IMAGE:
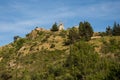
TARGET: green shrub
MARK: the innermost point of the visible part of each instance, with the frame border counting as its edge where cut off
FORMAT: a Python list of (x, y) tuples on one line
[(114, 72), (16, 38), (5, 76), (112, 46), (73, 35), (44, 40), (63, 33), (19, 43), (85, 64), (67, 42), (40, 33)]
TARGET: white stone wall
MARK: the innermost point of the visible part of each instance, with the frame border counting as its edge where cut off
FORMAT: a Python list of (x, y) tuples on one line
[(61, 27)]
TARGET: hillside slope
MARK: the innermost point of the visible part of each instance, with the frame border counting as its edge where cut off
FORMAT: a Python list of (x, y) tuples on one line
[(43, 55)]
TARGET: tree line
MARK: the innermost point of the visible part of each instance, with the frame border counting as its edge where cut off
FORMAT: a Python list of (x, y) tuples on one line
[(83, 32), (113, 31)]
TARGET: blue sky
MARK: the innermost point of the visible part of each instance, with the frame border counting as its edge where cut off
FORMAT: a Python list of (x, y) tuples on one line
[(19, 17)]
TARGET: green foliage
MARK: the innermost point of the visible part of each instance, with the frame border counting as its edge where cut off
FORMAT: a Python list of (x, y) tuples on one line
[(116, 29), (114, 73), (67, 42), (45, 38), (19, 43), (63, 33), (73, 35), (16, 38), (78, 61), (81, 61), (85, 64), (5, 76), (54, 27), (112, 46), (40, 33), (102, 34), (109, 31), (56, 71), (85, 31)]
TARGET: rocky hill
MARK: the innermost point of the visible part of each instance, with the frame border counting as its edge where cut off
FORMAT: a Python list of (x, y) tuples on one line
[(43, 55)]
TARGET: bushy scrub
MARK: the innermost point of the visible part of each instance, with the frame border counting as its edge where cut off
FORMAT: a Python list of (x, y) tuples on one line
[(112, 46), (19, 43)]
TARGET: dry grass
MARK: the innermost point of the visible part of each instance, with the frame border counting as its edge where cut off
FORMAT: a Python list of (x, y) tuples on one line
[(99, 41)]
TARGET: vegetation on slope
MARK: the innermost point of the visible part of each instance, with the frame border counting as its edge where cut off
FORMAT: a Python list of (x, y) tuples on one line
[(61, 55)]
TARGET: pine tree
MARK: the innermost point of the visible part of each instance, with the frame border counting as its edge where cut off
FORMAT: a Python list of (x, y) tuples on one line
[(16, 38), (109, 31), (81, 29), (85, 31), (73, 35), (116, 29), (54, 27)]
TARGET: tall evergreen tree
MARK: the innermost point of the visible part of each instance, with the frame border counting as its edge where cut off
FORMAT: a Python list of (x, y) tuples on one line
[(16, 37), (54, 27), (73, 35), (108, 31), (116, 29), (81, 29), (85, 31)]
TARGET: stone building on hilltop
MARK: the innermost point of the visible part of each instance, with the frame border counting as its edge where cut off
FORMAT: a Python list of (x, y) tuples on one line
[(61, 26)]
